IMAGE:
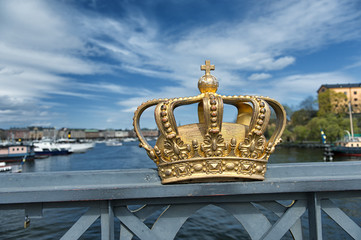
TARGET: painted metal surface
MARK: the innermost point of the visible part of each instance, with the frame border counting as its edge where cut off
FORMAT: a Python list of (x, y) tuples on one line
[(311, 186)]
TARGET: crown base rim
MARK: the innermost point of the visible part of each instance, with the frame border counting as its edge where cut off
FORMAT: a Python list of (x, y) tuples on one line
[(214, 169), (213, 178)]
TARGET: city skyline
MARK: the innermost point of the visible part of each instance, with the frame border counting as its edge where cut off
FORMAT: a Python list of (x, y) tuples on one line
[(89, 64)]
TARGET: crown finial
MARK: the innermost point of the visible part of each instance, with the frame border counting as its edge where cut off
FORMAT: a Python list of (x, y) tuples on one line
[(208, 82), (208, 67)]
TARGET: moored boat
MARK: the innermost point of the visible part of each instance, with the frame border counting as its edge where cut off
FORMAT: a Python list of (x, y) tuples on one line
[(129, 139), (113, 143), (46, 148), (16, 153), (75, 147), (4, 167), (350, 145)]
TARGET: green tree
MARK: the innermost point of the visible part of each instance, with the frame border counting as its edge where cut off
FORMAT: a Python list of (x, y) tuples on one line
[(315, 125), (302, 117), (333, 125), (309, 103), (289, 111), (270, 130), (301, 132), (288, 136), (332, 118), (331, 102)]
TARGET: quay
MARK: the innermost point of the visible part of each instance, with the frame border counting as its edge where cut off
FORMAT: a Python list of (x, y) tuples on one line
[(311, 187)]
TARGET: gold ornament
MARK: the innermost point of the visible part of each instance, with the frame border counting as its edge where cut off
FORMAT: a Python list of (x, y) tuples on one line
[(212, 150)]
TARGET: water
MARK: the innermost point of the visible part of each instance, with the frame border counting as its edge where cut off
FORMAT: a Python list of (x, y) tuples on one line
[(210, 223)]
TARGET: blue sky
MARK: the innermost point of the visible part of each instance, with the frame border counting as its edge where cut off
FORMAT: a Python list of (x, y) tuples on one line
[(89, 64)]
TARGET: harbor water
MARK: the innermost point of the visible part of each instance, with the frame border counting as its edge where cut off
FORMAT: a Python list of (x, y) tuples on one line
[(209, 223)]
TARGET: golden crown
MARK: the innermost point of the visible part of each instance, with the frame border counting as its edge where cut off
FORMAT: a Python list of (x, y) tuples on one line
[(212, 150)]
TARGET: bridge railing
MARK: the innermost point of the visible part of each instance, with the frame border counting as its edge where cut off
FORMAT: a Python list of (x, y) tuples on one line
[(109, 195)]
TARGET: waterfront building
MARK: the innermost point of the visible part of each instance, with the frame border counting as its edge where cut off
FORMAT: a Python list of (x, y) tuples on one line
[(109, 133), (93, 134), (49, 132), (71, 133), (77, 133), (35, 133), (63, 133), (150, 132), (121, 134), (17, 133), (352, 92), (2, 134)]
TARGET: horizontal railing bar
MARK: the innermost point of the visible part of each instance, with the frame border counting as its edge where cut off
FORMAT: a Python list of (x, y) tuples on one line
[(188, 200), (190, 190), (144, 184), (131, 177)]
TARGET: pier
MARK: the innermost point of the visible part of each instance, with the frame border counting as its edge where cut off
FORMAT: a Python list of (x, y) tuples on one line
[(308, 189)]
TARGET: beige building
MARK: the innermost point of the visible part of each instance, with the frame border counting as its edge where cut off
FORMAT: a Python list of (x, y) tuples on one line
[(121, 134), (352, 91), (93, 134)]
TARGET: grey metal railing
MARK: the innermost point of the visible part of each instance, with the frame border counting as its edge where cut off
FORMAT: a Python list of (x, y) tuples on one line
[(107, 195)]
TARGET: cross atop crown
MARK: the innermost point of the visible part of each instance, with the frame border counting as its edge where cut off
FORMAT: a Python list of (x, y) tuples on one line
[(208, 67)]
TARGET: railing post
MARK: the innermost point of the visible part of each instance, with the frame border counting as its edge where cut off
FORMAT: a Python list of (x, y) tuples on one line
[(107, 220), (314, 217)]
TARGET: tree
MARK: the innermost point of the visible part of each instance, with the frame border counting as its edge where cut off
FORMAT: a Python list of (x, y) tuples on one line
[(288, 136), (309, 103), (289, 110), (302, 117), (332, 118), (331, 102), (333, 125), (301, 132)]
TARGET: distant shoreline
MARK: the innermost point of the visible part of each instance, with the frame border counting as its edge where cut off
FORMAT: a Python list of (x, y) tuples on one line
[(301, 145)]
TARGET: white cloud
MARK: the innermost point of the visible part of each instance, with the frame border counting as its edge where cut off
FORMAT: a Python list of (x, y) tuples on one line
[(28, 83), (262, 41), (259, 76), (295, 88), (44, 61), (42, 42), (37, 25), (16, 111), (111, 88)]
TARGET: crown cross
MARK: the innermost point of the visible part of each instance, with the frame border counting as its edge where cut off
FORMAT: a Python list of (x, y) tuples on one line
[(208, 67)]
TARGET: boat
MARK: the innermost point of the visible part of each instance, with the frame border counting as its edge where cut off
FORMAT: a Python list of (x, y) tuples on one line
[(46, 148), (129, 139), (16, 153), (350, 145), (4, 167), (75, 147), (113, 143)]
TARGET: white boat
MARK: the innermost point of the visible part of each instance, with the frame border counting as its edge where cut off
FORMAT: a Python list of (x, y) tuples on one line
[(113, 143), (75, 147), (4, 168), (129, 139), (61, 147), (46, 148)]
